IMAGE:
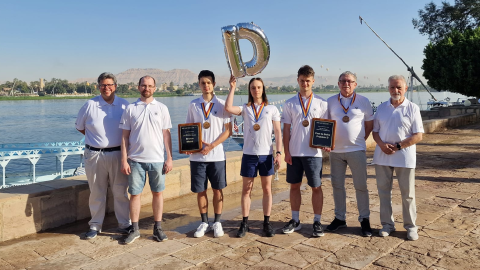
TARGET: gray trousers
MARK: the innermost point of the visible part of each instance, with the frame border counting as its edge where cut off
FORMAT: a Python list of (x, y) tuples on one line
[(357, 161), (406, 182), (102, 169)]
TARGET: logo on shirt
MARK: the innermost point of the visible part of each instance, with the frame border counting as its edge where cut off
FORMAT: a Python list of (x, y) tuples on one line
[(314, 109), (356, 107), (156, 113), (215, 112)]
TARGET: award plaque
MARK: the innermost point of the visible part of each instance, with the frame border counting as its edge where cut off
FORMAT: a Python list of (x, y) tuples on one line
[(190, 137), (322, 133)]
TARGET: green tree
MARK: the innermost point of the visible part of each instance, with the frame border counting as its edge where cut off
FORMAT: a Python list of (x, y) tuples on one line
[(436, 22), (179, 92), (453, 63)]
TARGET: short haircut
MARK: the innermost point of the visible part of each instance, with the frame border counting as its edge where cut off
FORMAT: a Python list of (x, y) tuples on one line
[(397, 77), (206, 73), (106, 75), (306, 71), (264, 94), (347, 73), (147, 76)]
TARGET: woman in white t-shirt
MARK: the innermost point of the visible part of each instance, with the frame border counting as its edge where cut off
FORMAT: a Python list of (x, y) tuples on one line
[(259, 119)]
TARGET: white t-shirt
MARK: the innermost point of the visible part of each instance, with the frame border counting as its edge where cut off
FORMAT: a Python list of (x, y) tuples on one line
[(100, 121), (258, 142), (146, 123), (394, 125), (350, 136), (217, 119), (299, 135)]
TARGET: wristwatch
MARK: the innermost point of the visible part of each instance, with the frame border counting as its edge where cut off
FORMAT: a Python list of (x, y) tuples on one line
[(279, 153), (399, 147)]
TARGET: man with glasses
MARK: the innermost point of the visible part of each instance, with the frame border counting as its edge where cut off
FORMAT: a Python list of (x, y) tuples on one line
[(146, 136), (98, 120), (354, 116)]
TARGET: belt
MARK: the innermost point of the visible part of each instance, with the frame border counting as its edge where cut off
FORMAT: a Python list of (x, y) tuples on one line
[(109, 149)]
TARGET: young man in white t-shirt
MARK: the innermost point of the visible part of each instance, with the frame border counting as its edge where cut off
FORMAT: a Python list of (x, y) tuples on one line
[(209, 164), (297, 114), (146, 136)]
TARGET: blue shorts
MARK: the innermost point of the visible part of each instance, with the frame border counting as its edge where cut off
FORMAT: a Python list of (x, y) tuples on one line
[(253, 163), (312, 166), (201, 172), (136, 179)]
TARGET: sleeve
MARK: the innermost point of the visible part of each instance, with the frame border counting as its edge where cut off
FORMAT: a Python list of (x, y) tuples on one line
[(227, 117), (286, 115), (276, 114), (167, 122), (81, 117), (190, 118), (417, 125), (368, 111), (125, 120)]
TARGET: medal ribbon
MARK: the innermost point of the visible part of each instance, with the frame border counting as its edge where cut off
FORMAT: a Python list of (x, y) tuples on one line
[(309, 102), (259, 113), (345, 110), (206, 114)]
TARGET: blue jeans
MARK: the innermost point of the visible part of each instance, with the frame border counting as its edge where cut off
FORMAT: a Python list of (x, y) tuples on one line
[(136, 179)]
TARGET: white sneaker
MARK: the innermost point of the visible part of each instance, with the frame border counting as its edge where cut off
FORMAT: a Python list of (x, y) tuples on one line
[(217, 229), (386, 231), (202, 229), (412, 234)]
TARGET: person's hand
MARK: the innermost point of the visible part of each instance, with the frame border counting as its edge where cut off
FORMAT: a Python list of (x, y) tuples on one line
[(168, 165), (125, 168), (235, 128), (288, 158), (207, 147), (276, 161), (387, 148), (326, 149), (233, 82)]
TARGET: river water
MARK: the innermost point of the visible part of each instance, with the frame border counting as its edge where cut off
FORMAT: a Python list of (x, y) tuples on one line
[(54, 121)]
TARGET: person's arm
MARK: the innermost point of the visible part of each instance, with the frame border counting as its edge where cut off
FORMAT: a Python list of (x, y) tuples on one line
[(167, 138), (125, 167), (387, 148), (277, 130), (286, 143), (236, 110), (225, 134), (368, 128), (414, 139)]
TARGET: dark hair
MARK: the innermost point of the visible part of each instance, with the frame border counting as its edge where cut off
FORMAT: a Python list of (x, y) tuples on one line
[(306, 71), (206, 73), (106, 75), (147, 76), (250, 97)]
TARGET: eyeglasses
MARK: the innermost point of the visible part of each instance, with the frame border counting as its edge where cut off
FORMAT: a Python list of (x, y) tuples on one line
[(105, 85), (148, 86), (346, 81)]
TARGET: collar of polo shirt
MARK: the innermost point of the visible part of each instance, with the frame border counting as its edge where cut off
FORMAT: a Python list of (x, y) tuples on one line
[(140, 102), (102, 101)]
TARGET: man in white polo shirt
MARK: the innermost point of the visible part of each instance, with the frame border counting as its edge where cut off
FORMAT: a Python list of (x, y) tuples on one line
[(146, 136), (354, 116), (397, 129), (98, 120), (299, 156), (209, 164)]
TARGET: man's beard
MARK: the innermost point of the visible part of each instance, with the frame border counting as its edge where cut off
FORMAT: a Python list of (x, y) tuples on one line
[(146, 94), (396, 97)]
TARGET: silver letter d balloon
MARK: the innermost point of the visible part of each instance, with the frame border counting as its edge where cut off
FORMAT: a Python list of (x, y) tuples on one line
[(261, 49)]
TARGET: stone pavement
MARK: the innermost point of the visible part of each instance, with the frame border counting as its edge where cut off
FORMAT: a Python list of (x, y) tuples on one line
[(448, 203)]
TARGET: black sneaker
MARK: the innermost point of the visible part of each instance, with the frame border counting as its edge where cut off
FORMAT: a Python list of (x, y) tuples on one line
[(159, 234), (336, 224), (268, 230), (317, 229), (91, 234), (366, 229), (243, 229), (131, 237), (126, 230), (292, 226)]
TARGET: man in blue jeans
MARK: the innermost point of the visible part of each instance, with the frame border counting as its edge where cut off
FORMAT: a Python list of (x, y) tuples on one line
[(146, 136)]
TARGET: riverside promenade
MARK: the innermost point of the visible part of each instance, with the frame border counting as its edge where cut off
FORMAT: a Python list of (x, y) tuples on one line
[(448, 204)]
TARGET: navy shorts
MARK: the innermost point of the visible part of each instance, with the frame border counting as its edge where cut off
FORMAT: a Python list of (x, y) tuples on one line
[(253, 163), (202, 172), (312, 166)]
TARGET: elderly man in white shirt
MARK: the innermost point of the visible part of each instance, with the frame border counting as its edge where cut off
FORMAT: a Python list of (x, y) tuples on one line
[(397, 129), (98, 120)]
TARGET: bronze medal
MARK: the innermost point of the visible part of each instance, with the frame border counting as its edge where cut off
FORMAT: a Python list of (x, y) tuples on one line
[(346, 119), (305, 123), (206, 125), (256, 127)]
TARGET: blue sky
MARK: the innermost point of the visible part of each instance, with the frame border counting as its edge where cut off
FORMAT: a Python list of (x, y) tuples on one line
[(81, 39)]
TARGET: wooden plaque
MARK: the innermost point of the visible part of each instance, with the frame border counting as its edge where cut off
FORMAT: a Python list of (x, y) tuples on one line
[(322, 133), (189, 138)]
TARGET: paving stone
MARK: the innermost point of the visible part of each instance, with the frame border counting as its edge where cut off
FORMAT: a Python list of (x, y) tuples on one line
[(252, 253), (231, 240), (58, 246), (272, 264), (449, 236), (292, 257), (159, 249), (104, 246), (405, 260), (165, 263), (467, 187), (468, 247), (5, 265), (354, 256), (458, 219), (20, 255), (455, 195), (310, 254), (472, 203), (427, 213), (70, 261), (284, 240), (201, 252), (381, 244), (219, 263), (121, 261), (190, 240), (329, 242), (428, 246), (323, 265), (439, 201), (450, 263)]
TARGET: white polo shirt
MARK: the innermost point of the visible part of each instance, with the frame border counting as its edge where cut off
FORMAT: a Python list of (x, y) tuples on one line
[(394, 125), (258, 142), (146, 123), (217, 119), (100, 121), (350, 136), (300, 135)]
